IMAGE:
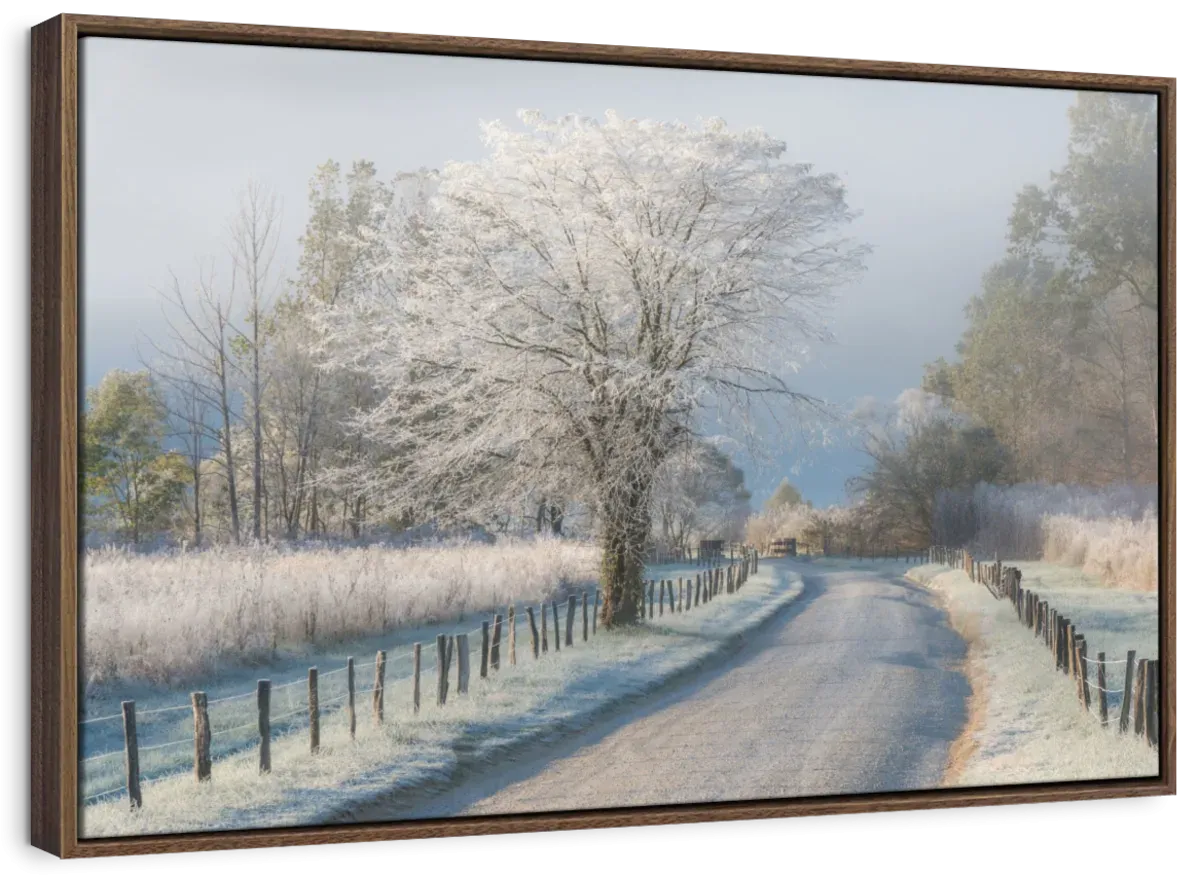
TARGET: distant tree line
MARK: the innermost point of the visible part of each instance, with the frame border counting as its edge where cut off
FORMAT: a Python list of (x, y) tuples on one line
[(1056, 378)]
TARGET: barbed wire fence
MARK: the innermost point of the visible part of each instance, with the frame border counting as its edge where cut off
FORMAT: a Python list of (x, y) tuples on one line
[(461, 649), (1131, 706)]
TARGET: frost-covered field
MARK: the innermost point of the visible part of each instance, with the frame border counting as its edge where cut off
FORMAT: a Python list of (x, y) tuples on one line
[(1030, 725), (533, 701), (177, 616), (1109, 532)]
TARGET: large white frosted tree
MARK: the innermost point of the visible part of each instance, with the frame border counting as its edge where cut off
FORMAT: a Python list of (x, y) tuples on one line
[(563, 316)]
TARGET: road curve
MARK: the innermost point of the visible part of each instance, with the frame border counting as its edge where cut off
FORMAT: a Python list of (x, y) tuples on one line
[(853, 688)]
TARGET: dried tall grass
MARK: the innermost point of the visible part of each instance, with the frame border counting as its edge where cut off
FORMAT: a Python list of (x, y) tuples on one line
[(167, 617), (1111, 532)]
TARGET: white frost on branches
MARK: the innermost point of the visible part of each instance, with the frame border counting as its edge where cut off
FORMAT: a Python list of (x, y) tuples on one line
[(560, 316)]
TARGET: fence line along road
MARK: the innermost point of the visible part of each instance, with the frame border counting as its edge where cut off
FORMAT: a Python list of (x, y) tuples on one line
[(1068, 648), (449, 649)]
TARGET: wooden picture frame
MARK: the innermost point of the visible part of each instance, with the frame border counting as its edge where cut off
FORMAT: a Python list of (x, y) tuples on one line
[(55, 436)]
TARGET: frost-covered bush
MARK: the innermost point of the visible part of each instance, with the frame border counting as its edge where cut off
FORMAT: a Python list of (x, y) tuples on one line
[(1110, 531)]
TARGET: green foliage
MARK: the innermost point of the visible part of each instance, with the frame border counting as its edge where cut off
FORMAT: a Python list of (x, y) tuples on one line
[(784, 497), (1059, 358), (130, 483), (1101, 208)]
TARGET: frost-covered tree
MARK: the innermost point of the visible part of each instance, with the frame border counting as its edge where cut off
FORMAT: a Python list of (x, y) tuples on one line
[(566, 312), (918, 449), (1060, 355), (700, 494), (307, 406)]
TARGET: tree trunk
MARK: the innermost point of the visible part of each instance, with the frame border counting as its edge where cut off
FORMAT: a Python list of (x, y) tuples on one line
[(621, 570), (235, 526), (196, 522), (258, 443)]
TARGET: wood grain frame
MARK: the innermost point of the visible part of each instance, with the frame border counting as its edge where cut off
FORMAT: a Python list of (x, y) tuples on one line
[(55, 394)]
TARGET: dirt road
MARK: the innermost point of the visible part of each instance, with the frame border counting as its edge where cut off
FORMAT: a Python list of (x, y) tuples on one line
[(854, 688)]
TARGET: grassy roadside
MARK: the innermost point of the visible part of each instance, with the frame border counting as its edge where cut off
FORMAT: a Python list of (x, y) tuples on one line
[(533, 701), (1025, 723)]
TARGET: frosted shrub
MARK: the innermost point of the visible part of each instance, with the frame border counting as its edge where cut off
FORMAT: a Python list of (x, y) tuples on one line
[(1109, 531), (166, 617), (1120, 551)]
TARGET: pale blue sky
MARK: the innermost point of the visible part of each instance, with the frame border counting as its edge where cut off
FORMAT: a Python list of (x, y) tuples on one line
[(171, 131)]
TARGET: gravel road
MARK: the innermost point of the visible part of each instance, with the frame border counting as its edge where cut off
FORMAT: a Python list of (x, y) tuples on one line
[(853, 688)]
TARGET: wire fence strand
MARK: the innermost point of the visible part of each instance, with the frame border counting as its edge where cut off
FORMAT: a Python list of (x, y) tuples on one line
[(515, 627)]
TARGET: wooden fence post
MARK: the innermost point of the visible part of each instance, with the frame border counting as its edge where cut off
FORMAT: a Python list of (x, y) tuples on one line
[(1139, 700), (377, 689), (650, 601), (1075, 664), (1101, 684), (688, 605), (545, 638), (1060, 654), (533, 633), (585, 615), (671, 593), (417, 677), (496, 624), (203, 736), (1068, 646), (351, 718), (133, 773), (570, 621), (1085, 690), (645, 600), (443, 669), (1127, 694), (512, 636), (595, 611), (464, 662), (662, 597), (1152, 702), (484, 651), (264, 725), (554, 612), (314, 713), (1073, 645)]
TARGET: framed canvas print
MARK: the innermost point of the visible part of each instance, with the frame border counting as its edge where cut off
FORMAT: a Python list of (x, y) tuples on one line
[(440, 436)]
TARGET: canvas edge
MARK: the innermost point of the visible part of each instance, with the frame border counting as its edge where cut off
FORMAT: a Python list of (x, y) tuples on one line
[(1167, 444), (168, 29), (54, 385), (53, 375), (619, 818)]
